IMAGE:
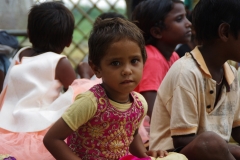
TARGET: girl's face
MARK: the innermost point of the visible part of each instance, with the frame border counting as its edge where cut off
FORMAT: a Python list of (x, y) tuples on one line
[(121, 69), (177, 26)]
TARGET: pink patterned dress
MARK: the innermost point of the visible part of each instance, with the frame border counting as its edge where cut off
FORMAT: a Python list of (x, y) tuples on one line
[(110, 132)]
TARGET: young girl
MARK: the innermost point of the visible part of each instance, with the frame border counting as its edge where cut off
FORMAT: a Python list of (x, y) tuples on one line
[(31, 101), (103, 122), (164, 25)]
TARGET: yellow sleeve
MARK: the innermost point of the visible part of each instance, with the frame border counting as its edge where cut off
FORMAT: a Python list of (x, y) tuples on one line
[(81, 111), (144, 102), (145, 106)]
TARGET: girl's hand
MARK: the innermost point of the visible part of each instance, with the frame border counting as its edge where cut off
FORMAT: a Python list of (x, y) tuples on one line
[(158, 153)]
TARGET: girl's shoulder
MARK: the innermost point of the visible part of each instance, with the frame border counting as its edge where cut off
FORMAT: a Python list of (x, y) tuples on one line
[(150, 49), (28, 52), (18, 55), (87, 95), (141, 99)]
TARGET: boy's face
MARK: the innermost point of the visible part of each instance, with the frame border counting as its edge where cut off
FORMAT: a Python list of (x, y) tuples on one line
[(177, 26), (121, 68)]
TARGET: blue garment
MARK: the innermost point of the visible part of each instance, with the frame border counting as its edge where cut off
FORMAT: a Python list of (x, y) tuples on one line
[(8, 40), (4, 63)]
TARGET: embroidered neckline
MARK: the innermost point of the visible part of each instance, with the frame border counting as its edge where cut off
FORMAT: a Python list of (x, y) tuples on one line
[(113, 99), (108, 100)]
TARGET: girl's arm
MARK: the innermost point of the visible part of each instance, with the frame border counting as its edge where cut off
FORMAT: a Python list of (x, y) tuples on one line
[(137, 148), (65, 73), (54, 141), (84, 70)]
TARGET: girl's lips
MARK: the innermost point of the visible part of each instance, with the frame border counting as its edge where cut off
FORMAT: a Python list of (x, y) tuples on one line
[(189, 33), (126, 81)]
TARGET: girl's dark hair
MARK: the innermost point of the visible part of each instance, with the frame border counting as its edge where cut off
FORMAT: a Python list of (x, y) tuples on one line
[(150, 13), (209, 14), (110, 30), (50, 26)]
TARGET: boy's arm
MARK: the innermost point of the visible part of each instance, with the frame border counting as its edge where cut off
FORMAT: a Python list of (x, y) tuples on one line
[(150, 97), (54, 141), (181, 141), (236, 134)]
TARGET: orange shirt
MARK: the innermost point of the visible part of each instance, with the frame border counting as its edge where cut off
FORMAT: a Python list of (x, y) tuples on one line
[(155, 69)]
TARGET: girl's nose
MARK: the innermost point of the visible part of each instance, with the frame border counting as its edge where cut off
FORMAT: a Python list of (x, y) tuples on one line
[(126, 71), (188, 23)]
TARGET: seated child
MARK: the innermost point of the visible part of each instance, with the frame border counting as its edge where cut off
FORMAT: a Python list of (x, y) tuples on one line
[(32, 100), (198, 100), (103, 122)]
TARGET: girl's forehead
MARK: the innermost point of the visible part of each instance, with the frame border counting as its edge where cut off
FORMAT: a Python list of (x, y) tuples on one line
[(177, 7), (122, 47), (121, 42)]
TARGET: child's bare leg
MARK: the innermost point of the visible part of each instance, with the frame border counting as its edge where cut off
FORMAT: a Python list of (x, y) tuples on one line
[(234, 150), (207, 146)]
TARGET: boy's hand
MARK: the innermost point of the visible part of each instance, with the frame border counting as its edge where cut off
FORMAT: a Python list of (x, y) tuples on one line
[(155, 154)]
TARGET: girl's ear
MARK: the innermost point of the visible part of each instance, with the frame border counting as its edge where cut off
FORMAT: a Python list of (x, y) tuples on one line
[(95, 69), (156, 32), (223, 31)]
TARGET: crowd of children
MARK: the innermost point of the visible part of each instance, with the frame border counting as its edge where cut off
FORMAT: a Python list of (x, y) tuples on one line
[(193, 102)]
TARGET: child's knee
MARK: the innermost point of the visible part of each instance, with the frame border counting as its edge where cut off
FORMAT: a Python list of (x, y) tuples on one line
[(210, 142)]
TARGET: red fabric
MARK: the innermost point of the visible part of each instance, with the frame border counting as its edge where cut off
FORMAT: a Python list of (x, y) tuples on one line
[(155, 69), (131, 157)]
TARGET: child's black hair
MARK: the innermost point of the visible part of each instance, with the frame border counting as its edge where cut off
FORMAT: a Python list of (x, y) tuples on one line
[(50, 26), (209, 14), (110, 30), (150, 13), (110, 15)]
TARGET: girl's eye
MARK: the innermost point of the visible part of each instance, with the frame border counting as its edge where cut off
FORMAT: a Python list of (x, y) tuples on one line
[(179, 18), (135, 61), (115, 63)]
